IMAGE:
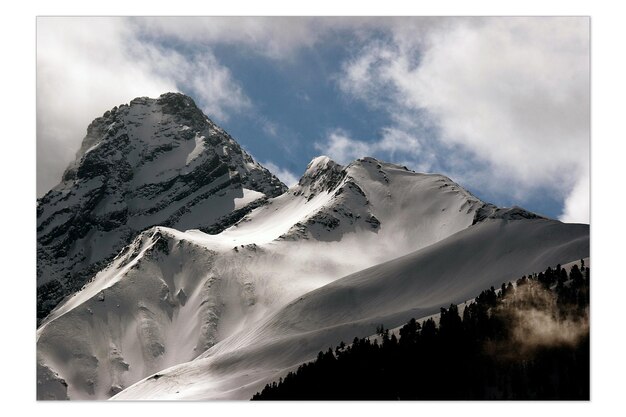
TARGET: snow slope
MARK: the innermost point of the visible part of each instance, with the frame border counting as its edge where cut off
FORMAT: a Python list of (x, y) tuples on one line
[(416, 285), (171, 295)]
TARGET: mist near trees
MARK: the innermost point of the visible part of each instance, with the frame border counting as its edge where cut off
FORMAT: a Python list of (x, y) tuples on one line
[(528, 341)]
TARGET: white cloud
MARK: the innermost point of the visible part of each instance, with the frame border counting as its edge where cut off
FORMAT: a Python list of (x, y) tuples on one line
[(269, 127), (86, 66), (394, 145), (286, 176), (212, 85), (281, 37), (396, 141), (274, 37), (514, 92), (343, 149), (576, 208)]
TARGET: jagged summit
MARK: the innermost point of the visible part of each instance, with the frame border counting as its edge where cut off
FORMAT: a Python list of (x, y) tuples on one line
[(369, 194), (153, 127), (175, 104), (150, 162), (322, 174), (320, 163)]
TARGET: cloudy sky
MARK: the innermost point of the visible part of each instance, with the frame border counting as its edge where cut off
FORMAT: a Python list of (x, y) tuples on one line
[(501, 105)]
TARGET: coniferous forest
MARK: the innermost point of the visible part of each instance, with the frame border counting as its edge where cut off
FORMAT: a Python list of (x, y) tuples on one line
[(528, 341)]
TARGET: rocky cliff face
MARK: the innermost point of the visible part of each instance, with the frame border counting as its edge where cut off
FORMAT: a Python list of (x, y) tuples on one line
[(151, 162)]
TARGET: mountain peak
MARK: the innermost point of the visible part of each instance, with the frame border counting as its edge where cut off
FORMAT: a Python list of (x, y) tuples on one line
[(150, 162), (322, 174), (319, 164), (175, 99)]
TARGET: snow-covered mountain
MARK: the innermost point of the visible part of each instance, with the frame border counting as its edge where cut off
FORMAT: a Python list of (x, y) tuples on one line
[(181, 313), (151, 162), (389, 294)]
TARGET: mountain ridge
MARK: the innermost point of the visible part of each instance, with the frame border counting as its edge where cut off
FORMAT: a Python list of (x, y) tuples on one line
[(279, 250)]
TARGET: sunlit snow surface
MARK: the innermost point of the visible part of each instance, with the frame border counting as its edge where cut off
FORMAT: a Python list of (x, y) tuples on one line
[(197, 150), (227, 313)]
